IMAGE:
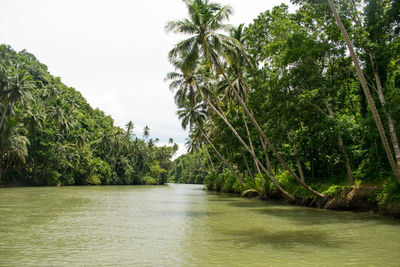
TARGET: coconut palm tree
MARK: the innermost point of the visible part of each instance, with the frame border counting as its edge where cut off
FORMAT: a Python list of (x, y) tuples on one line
[(129, 128), (146, 133), (195, 116), (204, 24), (34, 117), (13, 146), (58, 112), (16, 86)]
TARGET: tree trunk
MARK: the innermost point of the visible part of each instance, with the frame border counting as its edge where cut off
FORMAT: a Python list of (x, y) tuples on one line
[(209, 157), (392, 128), (300, 169), (367, 93), (274, 181), (247, 165), (221, 157), (250, 142), (267, 160), (3, 117), (342, 149), (261, 132)]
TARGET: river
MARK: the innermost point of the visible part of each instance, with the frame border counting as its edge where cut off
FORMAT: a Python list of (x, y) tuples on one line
[(182, 225)]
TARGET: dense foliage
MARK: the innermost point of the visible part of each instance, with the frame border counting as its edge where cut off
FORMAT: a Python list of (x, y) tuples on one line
[(282, 106), (50, 135)]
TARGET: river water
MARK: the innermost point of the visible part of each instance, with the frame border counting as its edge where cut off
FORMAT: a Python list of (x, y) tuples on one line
[(183, 225)]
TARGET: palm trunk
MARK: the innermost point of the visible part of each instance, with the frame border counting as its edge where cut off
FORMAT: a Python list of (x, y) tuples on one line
[(261, 132), (367, 93), (392, 128), (221, 157), (247, 165), (3, 116), (267, 160), (250, 142), (298, 162), (274, 181), (209, 157)]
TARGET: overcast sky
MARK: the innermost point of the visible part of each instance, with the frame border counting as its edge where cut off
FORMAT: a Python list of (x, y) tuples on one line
[(113, 52)]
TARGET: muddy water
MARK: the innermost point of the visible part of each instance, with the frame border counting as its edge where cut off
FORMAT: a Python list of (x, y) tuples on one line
[(182, 225)]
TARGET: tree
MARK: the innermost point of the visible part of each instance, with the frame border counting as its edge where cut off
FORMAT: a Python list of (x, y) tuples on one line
[(146, 133), (205, 21), (13, 146), (16, 85), (364, 85)]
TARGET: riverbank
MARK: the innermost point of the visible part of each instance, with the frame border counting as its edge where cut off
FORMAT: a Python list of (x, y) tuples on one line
[(358, 198)]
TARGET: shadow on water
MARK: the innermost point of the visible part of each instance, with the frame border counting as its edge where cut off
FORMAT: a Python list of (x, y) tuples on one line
[(248, 203), (311, 216), (285, 239), (167, 213)]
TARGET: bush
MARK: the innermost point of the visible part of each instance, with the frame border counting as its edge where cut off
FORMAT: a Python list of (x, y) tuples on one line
[(390, 193)]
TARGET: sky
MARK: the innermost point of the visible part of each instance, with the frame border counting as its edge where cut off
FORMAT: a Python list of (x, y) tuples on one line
[(113, 52)]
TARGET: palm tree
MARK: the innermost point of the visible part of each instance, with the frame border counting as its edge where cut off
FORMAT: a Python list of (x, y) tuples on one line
[(58, 112), (146, 132), (119, 143), (364, 85), (16, 89), (34, 117), (204, 23), (13, 146), (129, 128), (194, 116), (205, 91)]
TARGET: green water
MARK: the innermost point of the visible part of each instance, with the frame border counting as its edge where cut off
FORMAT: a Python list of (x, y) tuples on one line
[(182, 225)]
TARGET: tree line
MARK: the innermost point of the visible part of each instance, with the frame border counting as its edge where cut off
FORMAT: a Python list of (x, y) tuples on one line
[(294, 104), (50, 135)]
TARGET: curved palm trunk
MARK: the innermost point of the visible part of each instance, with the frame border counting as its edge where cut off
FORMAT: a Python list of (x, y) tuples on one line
[(274, 181), (247, 166), (250, 142), (249, 138), (267, 160), (367, 92), (298, 162), (220, 156), (296, 155), (261, 132), (209, 157)]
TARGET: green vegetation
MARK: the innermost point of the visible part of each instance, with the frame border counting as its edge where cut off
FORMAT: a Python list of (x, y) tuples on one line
[(295, 105), (51, 136)]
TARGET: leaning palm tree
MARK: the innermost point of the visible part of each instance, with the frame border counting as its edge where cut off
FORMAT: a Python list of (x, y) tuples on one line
[(204, 91), (204, 25), (194, 116), (371, 102)]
